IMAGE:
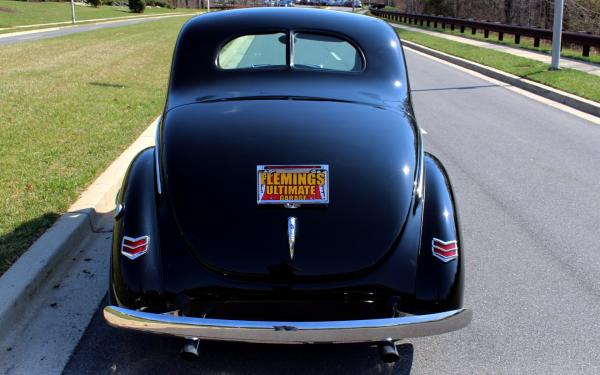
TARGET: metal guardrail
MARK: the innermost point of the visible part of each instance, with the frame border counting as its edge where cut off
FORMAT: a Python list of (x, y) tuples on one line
[(582, 39)]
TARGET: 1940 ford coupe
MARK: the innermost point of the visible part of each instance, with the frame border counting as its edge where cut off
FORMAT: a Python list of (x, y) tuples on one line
[(288, 198)]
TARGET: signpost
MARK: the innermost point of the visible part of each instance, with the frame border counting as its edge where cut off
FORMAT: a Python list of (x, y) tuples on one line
[(73, 12), (557, 34)]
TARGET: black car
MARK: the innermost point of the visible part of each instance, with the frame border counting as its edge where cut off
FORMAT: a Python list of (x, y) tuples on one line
[(288, 198)]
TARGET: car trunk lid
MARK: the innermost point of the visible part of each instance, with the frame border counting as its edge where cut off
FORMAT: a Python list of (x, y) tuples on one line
[(210, 153)]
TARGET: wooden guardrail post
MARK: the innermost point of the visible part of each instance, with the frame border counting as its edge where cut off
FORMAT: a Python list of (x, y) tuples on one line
[(517, 38), (586, 51)]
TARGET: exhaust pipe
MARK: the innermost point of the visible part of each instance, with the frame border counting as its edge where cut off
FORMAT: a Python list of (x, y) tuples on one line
[(189, 350), (388, 352)]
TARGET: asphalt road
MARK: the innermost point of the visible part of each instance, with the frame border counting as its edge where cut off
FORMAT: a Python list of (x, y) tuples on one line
[(52, 33), (527, 179)]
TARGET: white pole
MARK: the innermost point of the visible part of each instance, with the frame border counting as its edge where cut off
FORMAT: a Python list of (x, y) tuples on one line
[(73, 12), (557, 34), (208, 5)]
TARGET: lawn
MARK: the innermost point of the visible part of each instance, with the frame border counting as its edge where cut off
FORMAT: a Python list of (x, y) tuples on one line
[(19, 13), (70, 106), (569, 80), (525, 43)]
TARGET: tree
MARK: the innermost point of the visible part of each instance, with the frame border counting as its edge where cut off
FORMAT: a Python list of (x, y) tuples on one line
[(579, 15), (436, 7), (508, 10), (137, 6)]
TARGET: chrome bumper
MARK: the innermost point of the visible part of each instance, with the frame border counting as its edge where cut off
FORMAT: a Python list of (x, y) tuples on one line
[(346, 331)]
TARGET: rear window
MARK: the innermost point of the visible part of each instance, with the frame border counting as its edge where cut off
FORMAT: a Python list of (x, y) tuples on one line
[(254, 51), (309, 51), (316, 51)]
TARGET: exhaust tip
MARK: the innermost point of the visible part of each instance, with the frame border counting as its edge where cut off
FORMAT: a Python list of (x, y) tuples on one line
[(189, 351), (388, 352)]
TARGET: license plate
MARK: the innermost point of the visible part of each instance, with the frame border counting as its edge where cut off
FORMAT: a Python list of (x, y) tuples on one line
[(305, 184)]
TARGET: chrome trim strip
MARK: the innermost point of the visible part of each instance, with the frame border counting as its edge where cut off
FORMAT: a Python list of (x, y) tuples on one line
[(419, 180), (292, 231), (346, 331), (156, 158)]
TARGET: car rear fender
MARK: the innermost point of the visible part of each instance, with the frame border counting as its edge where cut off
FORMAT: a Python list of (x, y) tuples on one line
[(136, 217), (439, 284)]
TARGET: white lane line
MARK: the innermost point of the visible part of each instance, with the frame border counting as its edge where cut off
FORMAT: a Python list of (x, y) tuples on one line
[(565, 108), (335, 56), (423, 131)]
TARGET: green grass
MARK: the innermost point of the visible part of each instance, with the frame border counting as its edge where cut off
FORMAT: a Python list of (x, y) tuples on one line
[(19, 13), (569, 80), (70, 106)]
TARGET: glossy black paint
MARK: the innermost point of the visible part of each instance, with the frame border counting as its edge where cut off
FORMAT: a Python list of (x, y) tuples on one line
[(440, 286), (132, 278), (212, 245), (210, 179), (195, 76)]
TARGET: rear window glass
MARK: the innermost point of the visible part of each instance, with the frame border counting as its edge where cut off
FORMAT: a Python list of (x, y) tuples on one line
[(309, 51), (316, 51), (254, 51)]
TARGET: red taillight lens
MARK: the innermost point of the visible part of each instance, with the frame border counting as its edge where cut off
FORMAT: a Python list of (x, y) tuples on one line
[(134, 247), (445, 251)]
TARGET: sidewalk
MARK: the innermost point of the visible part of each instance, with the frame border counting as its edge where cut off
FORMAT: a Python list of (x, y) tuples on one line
[(533, 55)]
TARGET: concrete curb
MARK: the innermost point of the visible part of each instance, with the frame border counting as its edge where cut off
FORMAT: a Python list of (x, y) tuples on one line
[(573, 101), (21, 284)]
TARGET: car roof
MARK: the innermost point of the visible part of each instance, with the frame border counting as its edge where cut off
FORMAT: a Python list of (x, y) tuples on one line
[(196, 77)]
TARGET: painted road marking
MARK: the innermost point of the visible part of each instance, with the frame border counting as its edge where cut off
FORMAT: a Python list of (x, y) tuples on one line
[(423, 131), (335, 56)]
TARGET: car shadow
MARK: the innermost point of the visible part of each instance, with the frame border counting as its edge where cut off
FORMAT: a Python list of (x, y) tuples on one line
[(108, 350), (14, 243)]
